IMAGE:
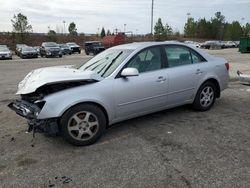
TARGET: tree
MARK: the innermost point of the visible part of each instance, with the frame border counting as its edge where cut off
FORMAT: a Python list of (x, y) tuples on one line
[(158, 29), (246, 30), (162, 32), (108, 32), (218, 25), (103, 33), (190, 28), (203, 28), (51, 33), (233, 31), (168, 30), (21, 26), (72, 29)]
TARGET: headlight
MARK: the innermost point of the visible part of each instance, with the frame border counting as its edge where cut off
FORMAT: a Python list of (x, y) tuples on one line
[(48, 52)]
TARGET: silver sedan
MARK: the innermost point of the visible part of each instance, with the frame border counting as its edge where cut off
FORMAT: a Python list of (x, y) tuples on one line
[(120, 83)]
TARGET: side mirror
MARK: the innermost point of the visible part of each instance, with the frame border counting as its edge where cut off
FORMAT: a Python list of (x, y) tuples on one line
[(127, 72)]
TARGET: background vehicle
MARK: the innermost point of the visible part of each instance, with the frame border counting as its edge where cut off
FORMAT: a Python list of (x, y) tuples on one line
[(3, 46), (37, 48), (28, 52), (213, 44), (50, 49), (230, 44), (192, 43), (74, 47), (18, 48), (120, 83), (65, 49), (5, 53), (93, 47)]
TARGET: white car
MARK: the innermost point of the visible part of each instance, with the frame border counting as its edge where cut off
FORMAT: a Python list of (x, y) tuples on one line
[(5, 53), (192, 43), (120, 83)]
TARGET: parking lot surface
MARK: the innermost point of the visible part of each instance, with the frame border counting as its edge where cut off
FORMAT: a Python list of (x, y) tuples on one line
[(172, 148)]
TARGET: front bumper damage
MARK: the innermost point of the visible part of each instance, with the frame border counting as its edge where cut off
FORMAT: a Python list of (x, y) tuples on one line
[(243, 77), (30, 111)]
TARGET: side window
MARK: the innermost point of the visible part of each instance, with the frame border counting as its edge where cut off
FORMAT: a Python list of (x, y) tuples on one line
[(147, 60), (178, 56), (196, 57)]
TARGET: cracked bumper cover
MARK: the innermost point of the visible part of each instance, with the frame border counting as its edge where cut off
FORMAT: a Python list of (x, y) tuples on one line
[(30, 111), (25, 109)]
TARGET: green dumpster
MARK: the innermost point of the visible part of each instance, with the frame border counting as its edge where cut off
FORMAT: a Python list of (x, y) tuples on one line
[(244, 45)]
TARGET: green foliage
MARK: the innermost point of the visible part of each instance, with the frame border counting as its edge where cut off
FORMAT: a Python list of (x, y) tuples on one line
[(108, 32), (215, 28), (103, 33), (72, 29), (190, 27), (233, 31), (168, 30), (158, 29), (21, 27), (51, 33), (161, 32), (246, 30)]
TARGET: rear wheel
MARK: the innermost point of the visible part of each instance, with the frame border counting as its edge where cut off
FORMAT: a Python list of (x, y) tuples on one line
[(83, 124), (205, 97)]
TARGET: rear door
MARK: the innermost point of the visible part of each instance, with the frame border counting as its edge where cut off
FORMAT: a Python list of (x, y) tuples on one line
[(185, 70)]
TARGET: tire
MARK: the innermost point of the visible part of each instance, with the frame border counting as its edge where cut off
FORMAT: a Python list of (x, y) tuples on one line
[(60, 56), (205, 97), (78, 130)]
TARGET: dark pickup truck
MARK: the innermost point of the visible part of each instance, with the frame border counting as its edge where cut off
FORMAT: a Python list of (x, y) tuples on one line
[(93, 47), (74, 47)]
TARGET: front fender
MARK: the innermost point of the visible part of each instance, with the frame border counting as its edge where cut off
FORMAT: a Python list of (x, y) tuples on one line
[(59, 102)]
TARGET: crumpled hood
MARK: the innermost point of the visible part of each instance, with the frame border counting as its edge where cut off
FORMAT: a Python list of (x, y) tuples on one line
[(58, 74)]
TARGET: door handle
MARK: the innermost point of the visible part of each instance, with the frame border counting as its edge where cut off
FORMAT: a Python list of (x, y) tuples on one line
[(198, 71), (161, 79)]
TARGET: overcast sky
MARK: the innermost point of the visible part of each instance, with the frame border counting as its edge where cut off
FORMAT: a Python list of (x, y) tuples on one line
[(89, 15)]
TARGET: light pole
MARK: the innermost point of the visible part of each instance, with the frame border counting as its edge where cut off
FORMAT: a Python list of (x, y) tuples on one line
[(152, 16), (125, 28), (64, 26)]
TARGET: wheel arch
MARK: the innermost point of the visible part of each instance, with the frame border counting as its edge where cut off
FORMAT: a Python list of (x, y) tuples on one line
[(92, 103), (216, 83)]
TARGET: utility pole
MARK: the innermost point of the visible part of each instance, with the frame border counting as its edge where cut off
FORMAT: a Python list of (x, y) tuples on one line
[(152, 16), (64, 27)]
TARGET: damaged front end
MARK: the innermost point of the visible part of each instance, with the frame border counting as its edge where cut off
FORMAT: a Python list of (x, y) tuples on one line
[(245, 78), (30, 111), (31, 104), (39, 84)]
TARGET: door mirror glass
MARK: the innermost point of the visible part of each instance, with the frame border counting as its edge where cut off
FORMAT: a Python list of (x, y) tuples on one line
[(129, 72)]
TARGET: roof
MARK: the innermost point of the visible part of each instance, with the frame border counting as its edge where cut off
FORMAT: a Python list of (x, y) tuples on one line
[(138, 45)]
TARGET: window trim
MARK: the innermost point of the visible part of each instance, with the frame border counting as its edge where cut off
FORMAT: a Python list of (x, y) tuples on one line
[(163, 65), (184, 47)]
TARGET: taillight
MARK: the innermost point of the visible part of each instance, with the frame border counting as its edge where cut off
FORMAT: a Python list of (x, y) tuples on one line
[(227, 66)]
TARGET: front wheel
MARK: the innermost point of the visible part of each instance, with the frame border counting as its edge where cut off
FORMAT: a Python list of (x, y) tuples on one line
[(205, 97), (83, 124)]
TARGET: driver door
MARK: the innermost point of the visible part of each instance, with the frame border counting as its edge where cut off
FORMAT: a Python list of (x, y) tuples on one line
[(143, 93)]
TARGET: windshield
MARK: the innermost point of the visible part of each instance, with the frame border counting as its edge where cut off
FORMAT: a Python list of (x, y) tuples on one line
[(106, 62), (28, 49), (71, 44), (52, 44), (64, 46)]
